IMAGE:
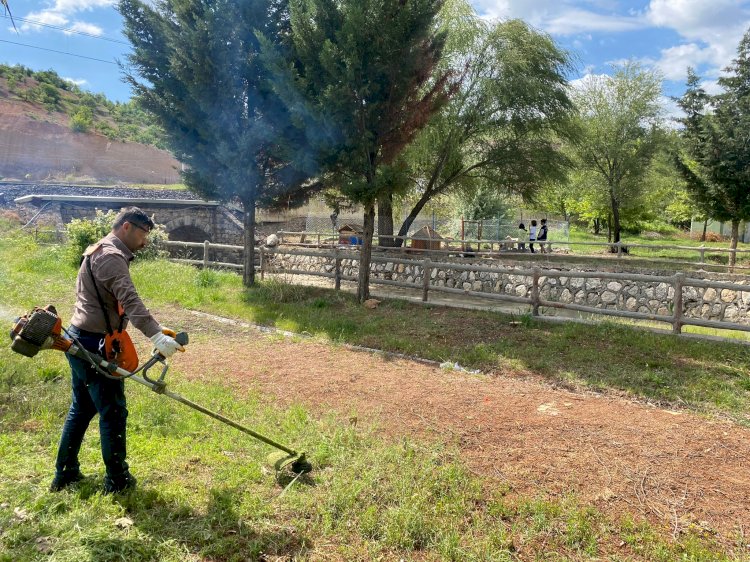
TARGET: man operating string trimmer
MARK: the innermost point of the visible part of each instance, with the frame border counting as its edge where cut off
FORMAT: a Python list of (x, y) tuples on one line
[(106, 301)]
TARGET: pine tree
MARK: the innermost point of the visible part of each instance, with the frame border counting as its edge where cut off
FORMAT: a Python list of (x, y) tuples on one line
[(364, 82), (196, 67), (718, 168)]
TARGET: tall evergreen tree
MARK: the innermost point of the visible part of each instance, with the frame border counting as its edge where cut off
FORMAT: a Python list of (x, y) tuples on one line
[(716, 129), (196, 67), (364, 75)]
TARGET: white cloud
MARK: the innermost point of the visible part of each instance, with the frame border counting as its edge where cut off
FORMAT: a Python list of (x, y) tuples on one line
[(566, 17), (72, 6), (87, 28), (711, 87), (671, 111), (574, 21), (45, 17), (61, 11), (712, 31), (76, 81), (709, 30)]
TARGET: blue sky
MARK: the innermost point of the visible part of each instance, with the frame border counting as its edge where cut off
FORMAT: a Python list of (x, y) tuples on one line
[(665, 34)]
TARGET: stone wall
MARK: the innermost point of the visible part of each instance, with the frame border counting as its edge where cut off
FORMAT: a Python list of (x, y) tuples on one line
[(634, 296)]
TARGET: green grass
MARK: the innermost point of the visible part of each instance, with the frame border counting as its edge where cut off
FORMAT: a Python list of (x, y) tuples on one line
[(676, 239), (703, 375), (205, 493)]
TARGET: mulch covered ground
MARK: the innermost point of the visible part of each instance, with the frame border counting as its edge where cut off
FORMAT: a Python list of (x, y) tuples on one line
[(677, 469)]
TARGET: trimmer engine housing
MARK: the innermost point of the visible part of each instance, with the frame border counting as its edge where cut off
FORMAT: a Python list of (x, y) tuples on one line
[(39, 329)]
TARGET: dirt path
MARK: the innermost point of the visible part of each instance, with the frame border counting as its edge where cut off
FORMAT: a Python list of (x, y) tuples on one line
[(675, 468)]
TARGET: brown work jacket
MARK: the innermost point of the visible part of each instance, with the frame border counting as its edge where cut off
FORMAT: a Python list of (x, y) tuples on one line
[(111, 268)]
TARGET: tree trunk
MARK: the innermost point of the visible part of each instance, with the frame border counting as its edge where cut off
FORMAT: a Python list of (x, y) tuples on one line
[(413, 214), (597, 226), (248, 262), (365, 254), (733, 244), (615, 219), (385, 221), (705, 228)]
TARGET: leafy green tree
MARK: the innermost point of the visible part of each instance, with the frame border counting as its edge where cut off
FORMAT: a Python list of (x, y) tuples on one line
[(620, 124), (196, 68), (717, 164), (502, 130), (363, 82)]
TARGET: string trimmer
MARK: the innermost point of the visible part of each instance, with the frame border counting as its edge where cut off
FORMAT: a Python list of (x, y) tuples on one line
[(42, 329)]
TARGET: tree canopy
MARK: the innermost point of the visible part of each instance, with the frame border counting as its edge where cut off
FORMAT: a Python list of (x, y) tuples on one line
[(364, 74), (620, 124), (501, 132), (197, 68)]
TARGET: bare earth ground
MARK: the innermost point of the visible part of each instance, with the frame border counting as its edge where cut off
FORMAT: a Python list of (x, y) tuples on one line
[(675, 468), (41, 145)]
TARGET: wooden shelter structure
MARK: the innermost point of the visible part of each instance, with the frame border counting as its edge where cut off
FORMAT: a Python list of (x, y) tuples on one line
[(351, 233), (426, 238)]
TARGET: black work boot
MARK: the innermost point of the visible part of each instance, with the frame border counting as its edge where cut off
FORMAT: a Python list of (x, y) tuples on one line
[(62, 481), (119, 484)]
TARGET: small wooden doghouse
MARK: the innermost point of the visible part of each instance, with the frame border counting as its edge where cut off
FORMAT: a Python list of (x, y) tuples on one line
[(351, 233), (426, 238)]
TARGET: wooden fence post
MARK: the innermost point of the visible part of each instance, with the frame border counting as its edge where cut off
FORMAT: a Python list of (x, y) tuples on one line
[(679, 280), (206, 247), (337, 269), (262, 259), (426, 272), (535, 292), (703, 253), (619, 249)]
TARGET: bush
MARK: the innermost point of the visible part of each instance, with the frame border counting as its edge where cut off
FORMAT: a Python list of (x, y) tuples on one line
[(81, 233), (82, 120), (710, 236)]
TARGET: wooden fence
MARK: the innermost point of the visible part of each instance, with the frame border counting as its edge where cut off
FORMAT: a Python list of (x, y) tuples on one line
[(493, 247), (678, 281)]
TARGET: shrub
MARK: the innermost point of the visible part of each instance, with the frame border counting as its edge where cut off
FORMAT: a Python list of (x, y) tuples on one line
[(710, 236), (81, 233), (82, 120), (48, 95)]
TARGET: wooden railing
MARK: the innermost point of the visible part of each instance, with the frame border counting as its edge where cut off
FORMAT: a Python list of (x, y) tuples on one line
[(678, 281)]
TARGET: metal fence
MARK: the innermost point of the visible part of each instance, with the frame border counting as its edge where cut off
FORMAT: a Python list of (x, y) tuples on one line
[(457, 229), (336, 254)]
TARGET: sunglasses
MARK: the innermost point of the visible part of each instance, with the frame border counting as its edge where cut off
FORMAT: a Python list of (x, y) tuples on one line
[(135, 224)]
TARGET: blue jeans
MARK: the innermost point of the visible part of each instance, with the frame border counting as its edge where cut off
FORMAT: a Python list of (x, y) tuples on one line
[(93, 393)]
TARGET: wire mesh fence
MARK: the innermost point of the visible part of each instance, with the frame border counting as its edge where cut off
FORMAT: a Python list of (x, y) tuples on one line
[(448, 228)]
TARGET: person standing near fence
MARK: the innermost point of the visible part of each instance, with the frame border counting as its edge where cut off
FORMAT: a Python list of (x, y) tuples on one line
[(542, 235), (532, 235), (522, 234)]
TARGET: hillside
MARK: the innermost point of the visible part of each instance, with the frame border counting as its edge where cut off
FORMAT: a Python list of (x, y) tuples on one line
[(52, 130)]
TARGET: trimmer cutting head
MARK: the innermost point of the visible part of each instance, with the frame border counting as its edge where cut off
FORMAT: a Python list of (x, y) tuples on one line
[(284, 462)]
